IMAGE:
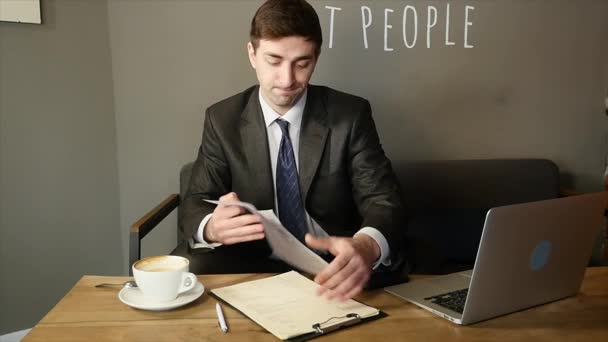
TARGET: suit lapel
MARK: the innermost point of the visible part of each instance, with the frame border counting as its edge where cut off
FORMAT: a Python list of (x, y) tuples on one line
[(313, 134), (255, 146)]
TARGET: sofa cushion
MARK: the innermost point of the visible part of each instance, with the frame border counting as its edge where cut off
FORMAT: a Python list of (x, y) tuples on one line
[(447, 202)]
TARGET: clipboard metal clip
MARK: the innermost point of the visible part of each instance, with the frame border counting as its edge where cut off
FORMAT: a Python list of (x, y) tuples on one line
[(322, 328)]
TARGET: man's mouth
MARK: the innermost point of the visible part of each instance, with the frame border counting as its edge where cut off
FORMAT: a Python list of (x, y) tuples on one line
[(286, 91)]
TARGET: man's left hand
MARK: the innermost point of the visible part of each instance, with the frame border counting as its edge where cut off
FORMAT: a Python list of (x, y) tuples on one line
[(351, 268)]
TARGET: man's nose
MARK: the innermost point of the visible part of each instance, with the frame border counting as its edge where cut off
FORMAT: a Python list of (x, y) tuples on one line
[(286, 76)]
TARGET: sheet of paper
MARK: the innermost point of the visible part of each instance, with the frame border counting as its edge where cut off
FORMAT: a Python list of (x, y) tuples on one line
[(287, 305), (284, 245)]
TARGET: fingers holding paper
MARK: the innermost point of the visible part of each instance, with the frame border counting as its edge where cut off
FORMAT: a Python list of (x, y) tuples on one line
[(351, 268), (232, 224)]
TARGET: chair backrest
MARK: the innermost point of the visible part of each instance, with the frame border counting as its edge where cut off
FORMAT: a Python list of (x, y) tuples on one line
[(482, 183), (184, 180), (472, 182)]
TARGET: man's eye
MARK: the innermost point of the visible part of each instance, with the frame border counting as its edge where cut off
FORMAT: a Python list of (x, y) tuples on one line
[(303, 64), (273, 62)]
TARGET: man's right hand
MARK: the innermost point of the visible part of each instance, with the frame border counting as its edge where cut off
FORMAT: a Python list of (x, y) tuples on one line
[(231, 224)]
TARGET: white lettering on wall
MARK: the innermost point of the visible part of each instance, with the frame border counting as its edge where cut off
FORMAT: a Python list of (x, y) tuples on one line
[(467, 23), (410, 25), (447, 26), (331, 24), (386, 27), (405, 10), (431, 21), (366, 12)]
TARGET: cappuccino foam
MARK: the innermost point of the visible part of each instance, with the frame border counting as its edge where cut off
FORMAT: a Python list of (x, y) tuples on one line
[(161, 264)]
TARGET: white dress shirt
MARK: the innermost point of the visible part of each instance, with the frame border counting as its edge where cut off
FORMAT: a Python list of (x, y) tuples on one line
[(294, 117)]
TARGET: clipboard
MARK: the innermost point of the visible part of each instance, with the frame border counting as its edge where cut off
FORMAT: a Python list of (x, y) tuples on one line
[(323, 329), (295, 295)]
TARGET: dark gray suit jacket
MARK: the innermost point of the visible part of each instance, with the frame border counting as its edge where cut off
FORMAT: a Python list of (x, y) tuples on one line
[(346, 180)]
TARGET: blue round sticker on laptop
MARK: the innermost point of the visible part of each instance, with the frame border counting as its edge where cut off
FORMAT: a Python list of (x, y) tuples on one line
[(540, 255)]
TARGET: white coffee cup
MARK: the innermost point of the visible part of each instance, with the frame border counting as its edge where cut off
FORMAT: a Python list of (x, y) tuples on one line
[(163, 278)]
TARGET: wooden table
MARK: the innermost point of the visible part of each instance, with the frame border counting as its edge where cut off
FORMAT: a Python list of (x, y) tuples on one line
[(87, 313)]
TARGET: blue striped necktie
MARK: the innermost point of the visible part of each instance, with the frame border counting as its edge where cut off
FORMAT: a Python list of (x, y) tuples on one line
[(291, 209)]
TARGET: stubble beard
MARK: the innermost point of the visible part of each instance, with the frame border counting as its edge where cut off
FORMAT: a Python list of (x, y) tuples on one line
[(285, 101)]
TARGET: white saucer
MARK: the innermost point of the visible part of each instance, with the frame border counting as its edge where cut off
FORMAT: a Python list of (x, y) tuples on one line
[(132, 296)]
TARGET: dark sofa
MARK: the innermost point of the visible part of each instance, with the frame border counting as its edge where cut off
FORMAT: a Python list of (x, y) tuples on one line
[(447, 201)]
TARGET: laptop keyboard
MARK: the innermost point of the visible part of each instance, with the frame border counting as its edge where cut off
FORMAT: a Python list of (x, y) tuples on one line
[(452, 300)]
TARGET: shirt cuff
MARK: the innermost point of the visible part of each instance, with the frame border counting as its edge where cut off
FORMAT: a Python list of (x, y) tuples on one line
[(385, 251), (199, 235)]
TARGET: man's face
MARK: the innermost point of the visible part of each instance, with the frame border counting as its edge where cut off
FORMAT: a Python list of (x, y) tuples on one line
[(283, 67)]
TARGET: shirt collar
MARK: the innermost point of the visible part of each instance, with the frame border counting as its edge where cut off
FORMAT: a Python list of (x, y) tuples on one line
[(293, 115)]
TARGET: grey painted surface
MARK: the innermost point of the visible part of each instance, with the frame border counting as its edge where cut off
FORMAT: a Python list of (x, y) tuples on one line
[(58, 170), (170, 60), (532, 86)]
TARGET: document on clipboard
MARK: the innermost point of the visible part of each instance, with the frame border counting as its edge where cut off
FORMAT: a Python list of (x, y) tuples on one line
[(288, 307), (283, 244)]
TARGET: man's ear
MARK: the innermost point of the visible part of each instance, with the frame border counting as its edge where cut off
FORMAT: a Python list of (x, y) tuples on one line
[(251, 54)]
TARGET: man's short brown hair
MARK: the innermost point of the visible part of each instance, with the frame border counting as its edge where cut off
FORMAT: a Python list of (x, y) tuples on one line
[(277, 19)]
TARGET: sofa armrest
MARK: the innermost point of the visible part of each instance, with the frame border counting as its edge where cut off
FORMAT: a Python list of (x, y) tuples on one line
[(144, 225)]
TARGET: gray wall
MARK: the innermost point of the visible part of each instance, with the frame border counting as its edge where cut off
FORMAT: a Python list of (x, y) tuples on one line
[(58, 169), (98, 89), (170, 60), (532, 85)]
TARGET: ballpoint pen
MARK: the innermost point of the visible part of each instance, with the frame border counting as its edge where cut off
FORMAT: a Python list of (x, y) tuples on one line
[(220, 318)]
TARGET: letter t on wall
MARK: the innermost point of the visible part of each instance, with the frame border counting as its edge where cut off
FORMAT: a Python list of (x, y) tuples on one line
[(331, 24)]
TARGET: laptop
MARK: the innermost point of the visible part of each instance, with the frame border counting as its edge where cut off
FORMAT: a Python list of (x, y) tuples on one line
[(529, 254)]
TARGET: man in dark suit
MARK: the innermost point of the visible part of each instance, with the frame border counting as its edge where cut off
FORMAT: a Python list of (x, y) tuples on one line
[(310, 153)]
